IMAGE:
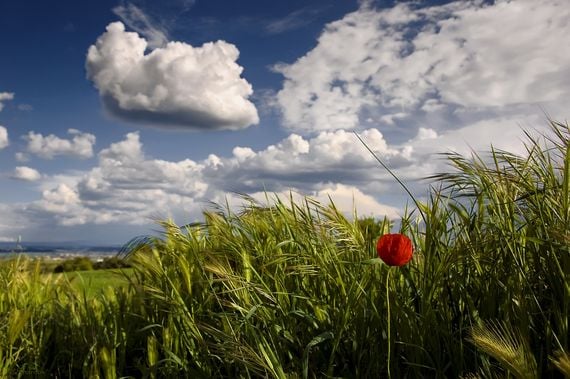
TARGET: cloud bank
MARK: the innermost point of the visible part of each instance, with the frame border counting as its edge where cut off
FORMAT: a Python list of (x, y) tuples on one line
[(124, 187), (176, 86), (457, 60), (128, 187)]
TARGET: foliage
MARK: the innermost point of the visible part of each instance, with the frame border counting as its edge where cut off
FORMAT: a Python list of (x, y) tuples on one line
[(507, 346), (111, 263), (74, 264), (86, 264)]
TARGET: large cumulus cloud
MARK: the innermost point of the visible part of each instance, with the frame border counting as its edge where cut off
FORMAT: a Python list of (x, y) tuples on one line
[(177, 85), (463, 61), (303, 163)]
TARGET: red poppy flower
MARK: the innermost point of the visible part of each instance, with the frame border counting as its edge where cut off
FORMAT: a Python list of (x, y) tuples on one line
[(394, 249)]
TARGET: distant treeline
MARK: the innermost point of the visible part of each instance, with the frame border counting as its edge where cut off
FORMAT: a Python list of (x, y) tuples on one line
[(46, 249)]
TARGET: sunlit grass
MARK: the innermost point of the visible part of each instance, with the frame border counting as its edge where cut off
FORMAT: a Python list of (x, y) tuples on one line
[(96, 281)]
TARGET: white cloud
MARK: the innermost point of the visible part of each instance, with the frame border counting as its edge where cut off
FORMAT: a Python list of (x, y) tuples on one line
[(175, 86), (339, 158), (21, 157), (125, 187), (303, 163), (350, 198), (136, 19), (294, 20), (3, 137), (4, 96), (14, 221), (186, 4), (80, 145), (426, 133), (26, 173), (25, 107), (412, 60), (346, 199), (505, 133)]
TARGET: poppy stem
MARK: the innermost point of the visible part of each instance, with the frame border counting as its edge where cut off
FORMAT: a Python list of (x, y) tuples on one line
[(388, 314)]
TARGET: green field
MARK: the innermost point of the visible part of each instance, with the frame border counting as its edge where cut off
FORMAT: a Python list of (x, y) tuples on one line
[(95, 281), (296, 290)]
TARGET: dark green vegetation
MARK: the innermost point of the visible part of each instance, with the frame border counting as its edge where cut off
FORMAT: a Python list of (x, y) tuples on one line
[(54, 265), (74, 264), (296, 290), (86, 264)]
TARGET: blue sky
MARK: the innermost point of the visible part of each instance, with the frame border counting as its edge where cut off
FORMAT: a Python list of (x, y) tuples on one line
[(114, 113)]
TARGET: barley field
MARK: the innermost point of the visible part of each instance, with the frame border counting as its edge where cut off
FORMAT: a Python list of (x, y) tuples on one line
[(296, 289)]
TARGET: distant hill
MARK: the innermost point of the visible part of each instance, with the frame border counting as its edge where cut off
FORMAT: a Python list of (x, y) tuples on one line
[(56, 247)]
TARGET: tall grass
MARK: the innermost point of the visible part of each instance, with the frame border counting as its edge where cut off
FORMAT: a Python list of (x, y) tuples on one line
[(294, 290)]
